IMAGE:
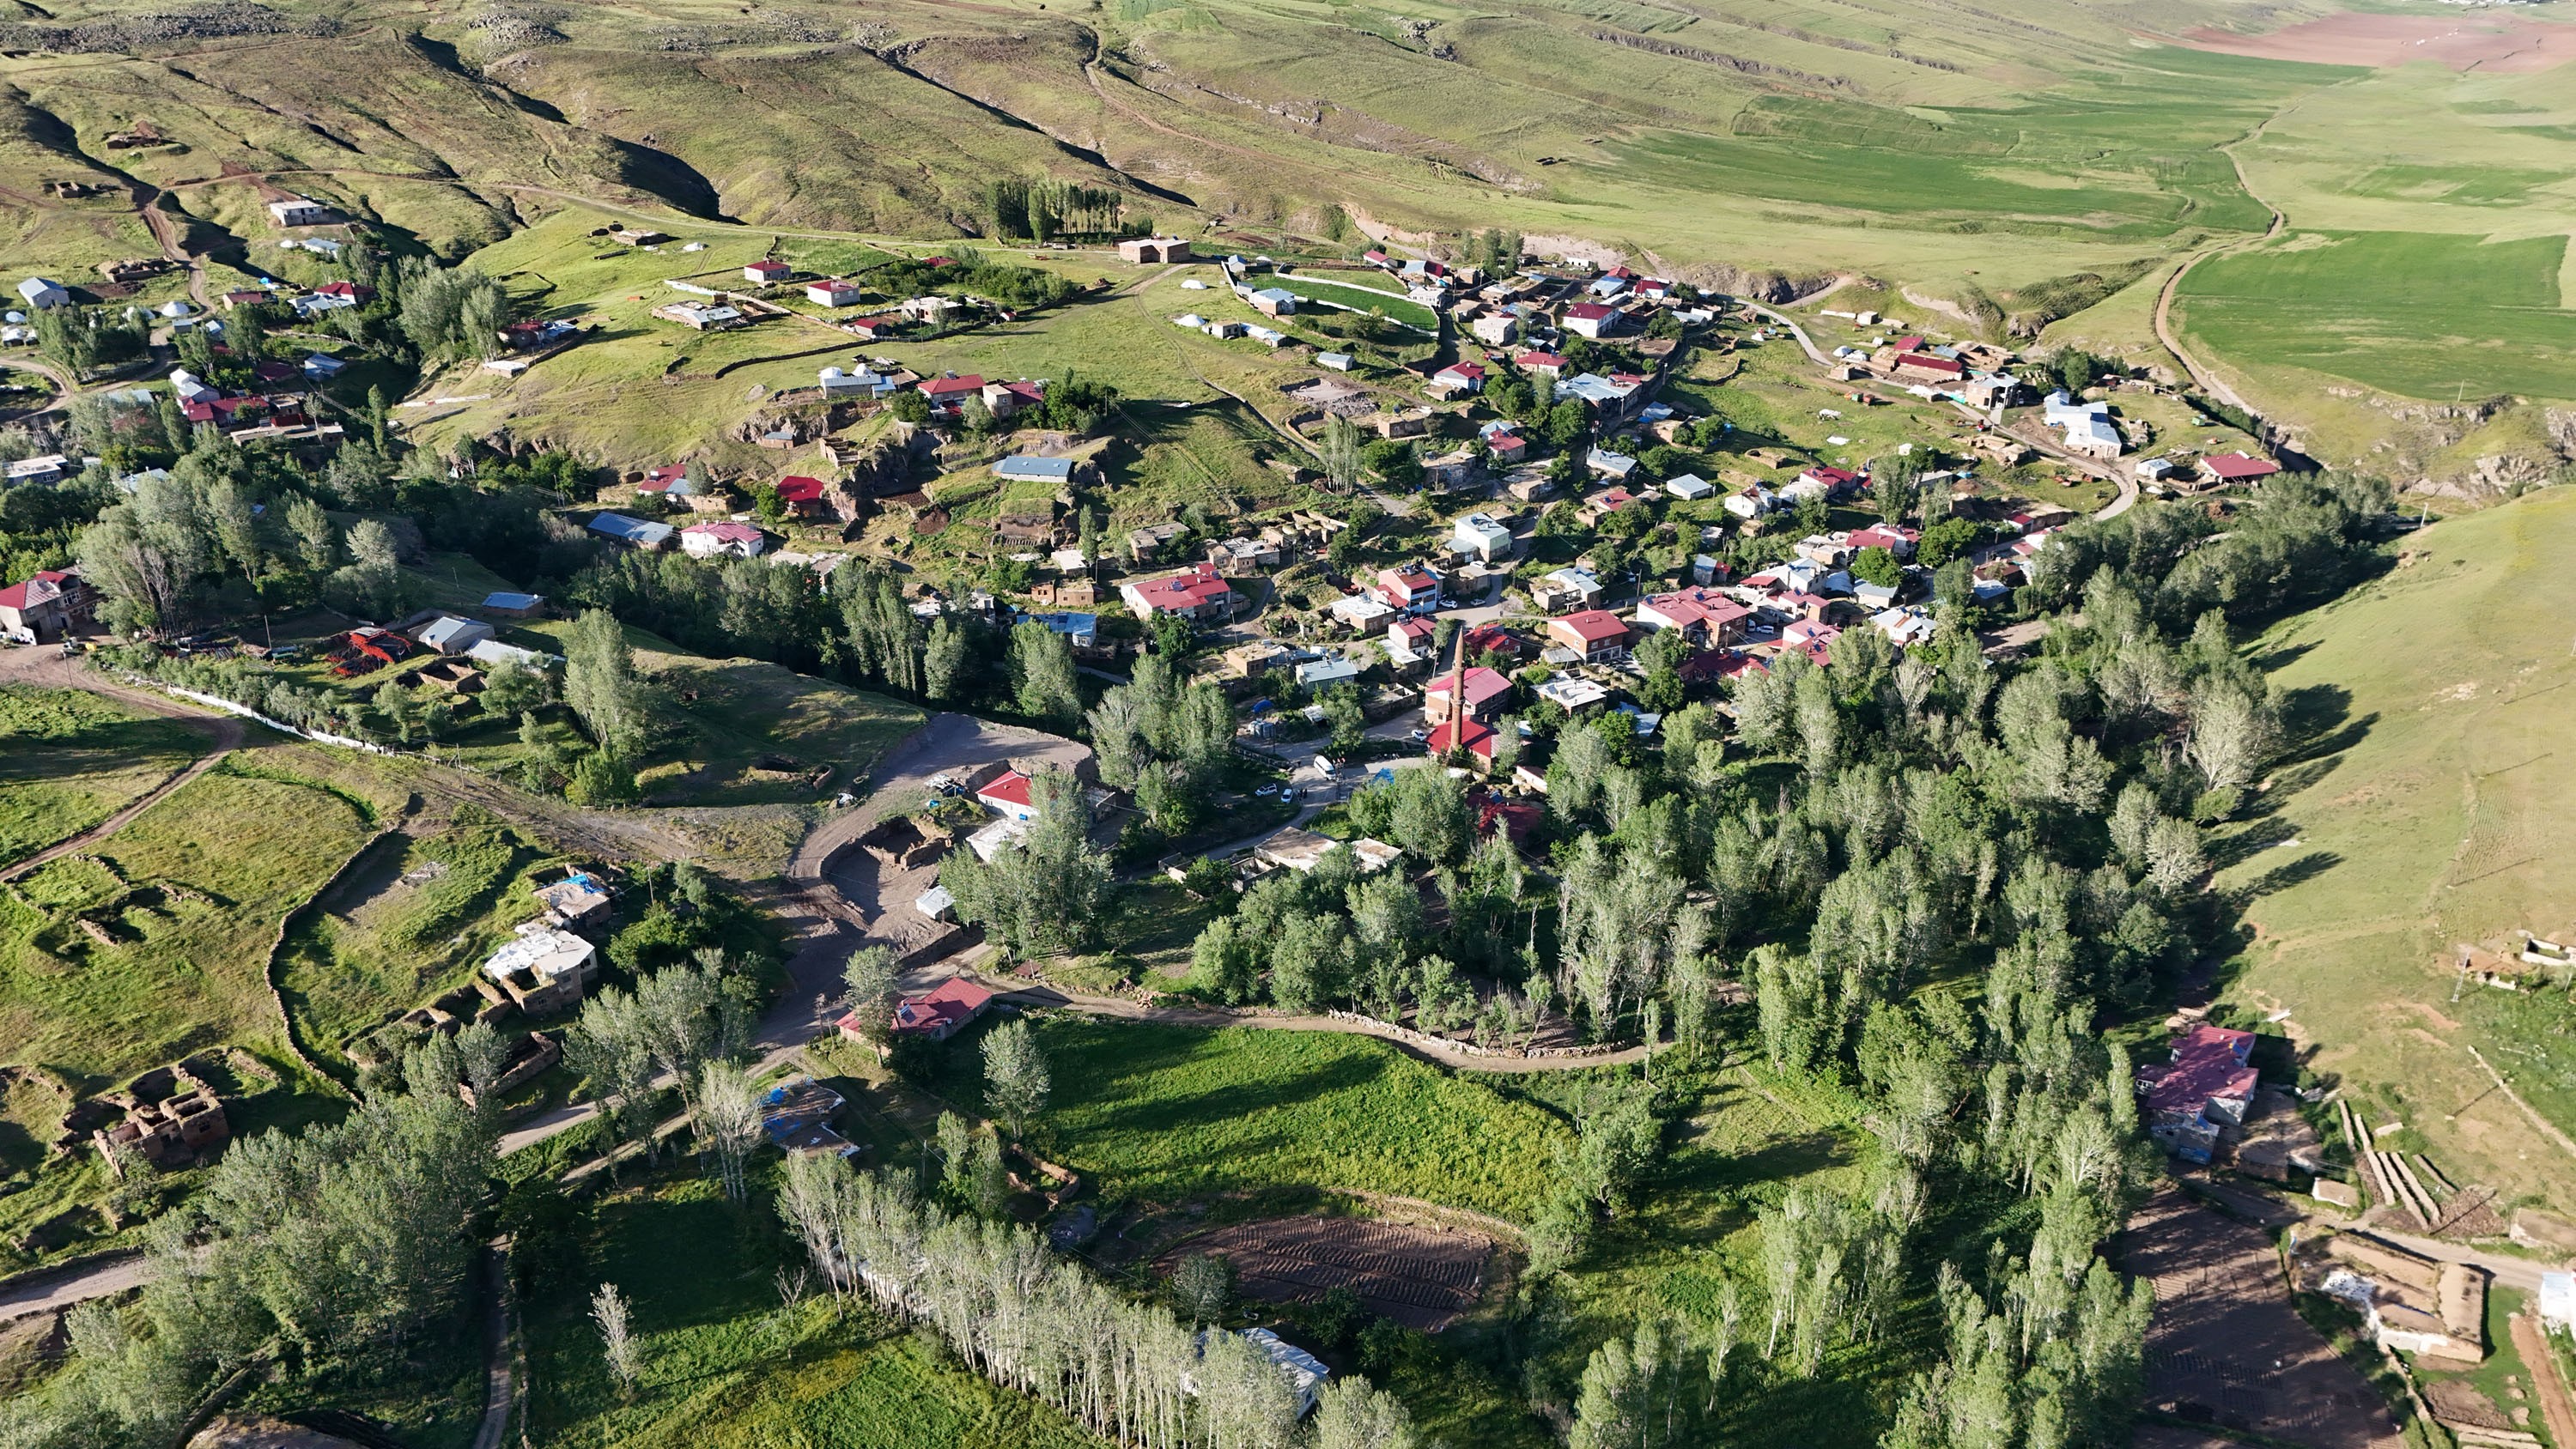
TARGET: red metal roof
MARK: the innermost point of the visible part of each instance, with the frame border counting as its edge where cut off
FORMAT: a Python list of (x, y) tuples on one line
[(1193, 589), (2239, 467), (15, 596), (1593, 625), (796, 488), (1947, 366), (1588, 312), (1479, 739), (1482, 684), (1011, 789), (952, 1001), (944, 386)]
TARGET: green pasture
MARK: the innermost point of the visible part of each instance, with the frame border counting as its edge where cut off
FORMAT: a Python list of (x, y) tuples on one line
[(255, 837), (728, 1365), (2424, 315), (69, 759), (1162, 1113), (1357, 296), (2422, 808)]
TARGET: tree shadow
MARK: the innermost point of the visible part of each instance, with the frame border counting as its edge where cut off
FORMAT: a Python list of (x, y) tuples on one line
[(2298, 872), (2265, 832)]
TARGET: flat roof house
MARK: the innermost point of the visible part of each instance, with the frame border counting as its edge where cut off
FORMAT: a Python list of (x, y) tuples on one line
[(1147, 250), (1479, 534), (1037, 470), (299, 211), (1273, 302)]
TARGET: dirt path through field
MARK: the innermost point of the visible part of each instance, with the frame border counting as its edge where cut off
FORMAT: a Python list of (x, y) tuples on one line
[(1215, 1018), (45, 667)]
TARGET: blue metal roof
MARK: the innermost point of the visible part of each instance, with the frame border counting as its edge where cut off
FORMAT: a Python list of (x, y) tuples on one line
[(507, 600), (1049, 470)]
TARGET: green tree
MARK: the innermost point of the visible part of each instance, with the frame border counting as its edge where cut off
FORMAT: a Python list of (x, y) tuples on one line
[(1043, 676), (1016, 1081), (600, 681)]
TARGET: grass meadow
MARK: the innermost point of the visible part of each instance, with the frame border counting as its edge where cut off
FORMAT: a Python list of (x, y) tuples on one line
[(2420, 314), (1355, 296), (1162, 1113), (2423, 808), (408, 921), (729, 1366), (69, 759)]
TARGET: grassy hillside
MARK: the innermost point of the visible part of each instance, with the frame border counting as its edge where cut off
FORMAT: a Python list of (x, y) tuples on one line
[(2432, 809), (73, 759)]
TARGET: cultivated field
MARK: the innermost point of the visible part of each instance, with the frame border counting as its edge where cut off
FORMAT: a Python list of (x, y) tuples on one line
[(2425, 811), (2418, 314), (1419, 1277)]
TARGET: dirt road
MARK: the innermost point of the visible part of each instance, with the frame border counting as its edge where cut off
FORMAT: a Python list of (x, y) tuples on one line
[(47, 1292), (2555, 1407)]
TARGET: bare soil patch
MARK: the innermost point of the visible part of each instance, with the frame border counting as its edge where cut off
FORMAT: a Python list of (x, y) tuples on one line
[(2466, 43), (1421, 1277), (2227, 1349)]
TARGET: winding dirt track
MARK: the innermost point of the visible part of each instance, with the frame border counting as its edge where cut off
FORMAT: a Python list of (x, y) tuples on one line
[(45, 667)]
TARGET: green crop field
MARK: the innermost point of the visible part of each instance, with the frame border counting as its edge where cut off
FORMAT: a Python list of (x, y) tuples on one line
[(727, 1365), (2425, 810), (1163, 1113), (2421, 314), (1356, 296), (70, 759)]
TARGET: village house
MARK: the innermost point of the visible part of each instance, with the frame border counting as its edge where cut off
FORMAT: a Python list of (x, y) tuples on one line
[(1460, 377), (1598, 506), (1706, 619), (766, 271), (510, 604), (1497, 329), (449, 634), (47, 605), (2221, 468), (834, 292), (1594, 635), (1591, 319), (1477, 741), (43, 293), (1450, 471), (1361, 612), (722, 539), (1479, 535), (1502, 438), (1410, 423), (1539, 364), (1689, 487), (2207, 1087), (1617, 467), (802, 496), (1029, 468), (947, 395), (632, 532), (1147, 543), (1929, 367), (703, 316), (1411, 590), (1563, 590), (1408, 641), (1273, 302), (1148, 250), (2088, 426), (1008, 795), (1488, 691), (1197, 594)]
